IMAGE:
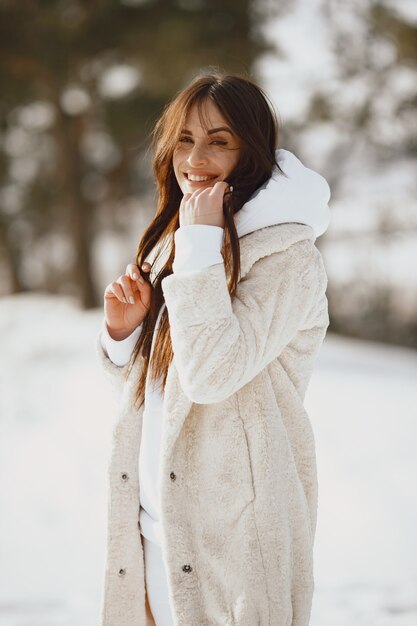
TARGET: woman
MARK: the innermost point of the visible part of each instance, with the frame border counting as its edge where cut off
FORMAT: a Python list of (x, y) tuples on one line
[(213, 487)]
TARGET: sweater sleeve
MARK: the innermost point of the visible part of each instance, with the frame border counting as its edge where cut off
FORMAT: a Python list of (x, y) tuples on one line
[(197, 246), (221, 344), (119, 352)]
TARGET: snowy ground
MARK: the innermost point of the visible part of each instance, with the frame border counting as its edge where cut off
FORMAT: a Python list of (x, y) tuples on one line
[(55, 429)]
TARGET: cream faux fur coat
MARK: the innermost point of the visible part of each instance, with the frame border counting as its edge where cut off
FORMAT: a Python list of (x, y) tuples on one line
[(238, 482)]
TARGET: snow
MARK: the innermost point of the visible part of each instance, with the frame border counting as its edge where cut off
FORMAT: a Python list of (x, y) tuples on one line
[(54, 443), (362, 406), (56, 418)]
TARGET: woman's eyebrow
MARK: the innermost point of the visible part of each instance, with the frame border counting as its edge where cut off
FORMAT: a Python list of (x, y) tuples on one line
[(218, 130), (211, 131)]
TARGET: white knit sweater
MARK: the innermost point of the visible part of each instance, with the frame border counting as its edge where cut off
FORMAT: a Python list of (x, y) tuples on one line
[(303, 197)]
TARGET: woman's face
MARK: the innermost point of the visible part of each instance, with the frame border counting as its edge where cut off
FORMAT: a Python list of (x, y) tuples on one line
[(204, 157)]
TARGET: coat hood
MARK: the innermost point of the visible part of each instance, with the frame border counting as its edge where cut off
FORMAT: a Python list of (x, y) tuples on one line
[(301, 195)]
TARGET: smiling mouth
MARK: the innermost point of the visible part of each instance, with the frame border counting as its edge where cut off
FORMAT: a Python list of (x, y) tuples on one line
[(194, 178)]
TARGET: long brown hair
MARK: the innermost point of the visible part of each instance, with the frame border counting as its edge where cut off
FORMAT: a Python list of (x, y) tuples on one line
[(251, 116)]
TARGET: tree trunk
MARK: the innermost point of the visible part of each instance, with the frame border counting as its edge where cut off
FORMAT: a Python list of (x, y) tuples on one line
[(80, 213), (12, 258)]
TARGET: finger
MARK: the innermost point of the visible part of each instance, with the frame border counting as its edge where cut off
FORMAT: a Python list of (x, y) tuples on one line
[(184, 199), (187, 196), (182, 209), (219, 188), (126, 284), (201, 192), (146, 267), (116, 290), (133, 271)]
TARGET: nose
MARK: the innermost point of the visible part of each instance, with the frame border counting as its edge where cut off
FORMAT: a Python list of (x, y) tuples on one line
[(197, 155)]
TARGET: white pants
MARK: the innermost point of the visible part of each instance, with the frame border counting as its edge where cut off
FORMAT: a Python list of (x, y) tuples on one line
[(156, 584)]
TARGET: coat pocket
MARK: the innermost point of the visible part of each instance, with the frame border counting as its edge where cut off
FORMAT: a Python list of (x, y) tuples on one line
[(220, 463), (247, 480)]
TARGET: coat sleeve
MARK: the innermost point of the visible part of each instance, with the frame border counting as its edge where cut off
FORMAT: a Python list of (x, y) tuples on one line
[(115, 374), (219, 343)]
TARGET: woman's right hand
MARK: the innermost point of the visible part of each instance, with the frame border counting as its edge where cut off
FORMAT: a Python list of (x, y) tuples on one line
[(121, 316)]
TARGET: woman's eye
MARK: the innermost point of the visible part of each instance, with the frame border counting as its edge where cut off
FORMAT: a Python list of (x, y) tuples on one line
[(214, 142)]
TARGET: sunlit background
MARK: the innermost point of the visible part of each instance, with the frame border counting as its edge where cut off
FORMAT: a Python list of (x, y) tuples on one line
[(81, 84)]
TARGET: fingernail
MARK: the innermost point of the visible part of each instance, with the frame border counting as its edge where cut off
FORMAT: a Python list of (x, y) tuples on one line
[(131, 300), (135, 276)]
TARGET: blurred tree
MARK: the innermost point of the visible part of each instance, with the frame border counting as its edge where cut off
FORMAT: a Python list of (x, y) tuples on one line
[(81, 84), (371, 97)]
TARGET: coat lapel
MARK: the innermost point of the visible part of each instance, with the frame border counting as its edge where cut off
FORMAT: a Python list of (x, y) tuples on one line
[(176, 407)]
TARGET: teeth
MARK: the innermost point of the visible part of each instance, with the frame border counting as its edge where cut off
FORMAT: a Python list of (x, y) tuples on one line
[(198, 179)]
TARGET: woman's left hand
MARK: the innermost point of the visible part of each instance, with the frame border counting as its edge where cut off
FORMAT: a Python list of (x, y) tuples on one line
[(204, 206)]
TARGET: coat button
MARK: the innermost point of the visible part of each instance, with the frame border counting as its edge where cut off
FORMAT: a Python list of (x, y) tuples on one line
[(172, 476), (122, 572), (125, 476), (187, 568)]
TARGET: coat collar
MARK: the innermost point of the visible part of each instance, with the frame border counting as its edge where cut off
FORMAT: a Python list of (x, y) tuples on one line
[(267, 241)]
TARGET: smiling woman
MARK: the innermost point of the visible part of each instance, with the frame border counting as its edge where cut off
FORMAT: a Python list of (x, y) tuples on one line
[(206, 152), (211, 337), (203, 159)]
